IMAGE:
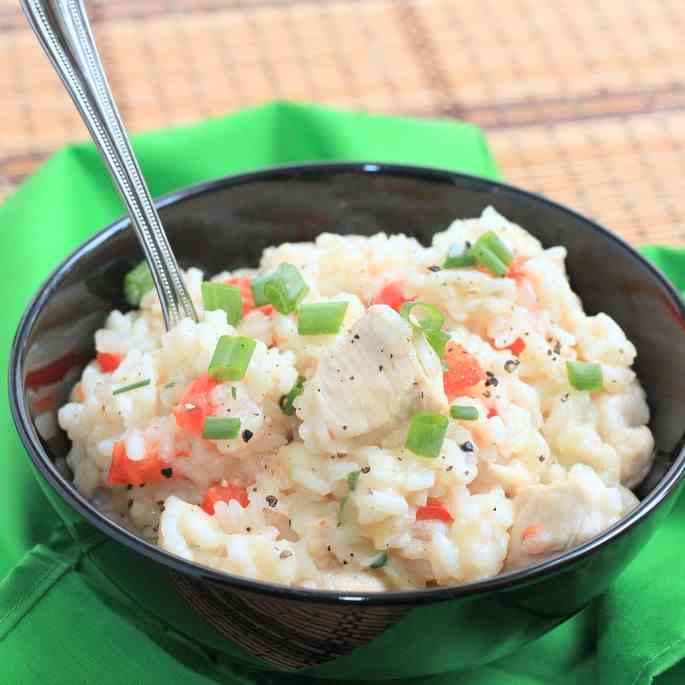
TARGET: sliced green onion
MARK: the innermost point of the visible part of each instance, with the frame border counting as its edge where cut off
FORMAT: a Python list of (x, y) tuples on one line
[(220, 428), (223, 296), (137, 282), (494, 243), (234, 392), (426, 434), (286, 402), (231, 357), (438, 340), (585, 375), (459, 257), (490, 260), (464, 413), (352, 480), (425, 317), (285, 289), (132, 386), (170, 384), (379, 561), (322, 318), (493, 254), (258, 295)]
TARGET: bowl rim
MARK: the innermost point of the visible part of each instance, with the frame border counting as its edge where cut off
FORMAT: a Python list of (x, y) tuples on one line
[(506, 581)]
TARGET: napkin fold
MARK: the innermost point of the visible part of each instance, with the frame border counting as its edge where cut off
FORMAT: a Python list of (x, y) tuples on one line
[(76, 607)]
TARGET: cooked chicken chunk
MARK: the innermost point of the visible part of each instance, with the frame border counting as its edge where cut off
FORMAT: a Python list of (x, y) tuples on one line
[(551, 518), (371, 380)]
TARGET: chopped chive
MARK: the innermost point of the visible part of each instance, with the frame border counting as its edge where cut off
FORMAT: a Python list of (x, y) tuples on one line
[(137, 282), (352, 480), (223, 296), (286, 402), (322, 318), (234, 392), (231, 357), (464, 413), (585, 375), (494, 243), (459, 257), (343, 502), (285, 289), (426, 434), (258, 294), (438, 340), (380, 561), (220, 428), (170, 384), (132, 386), (425, 317)]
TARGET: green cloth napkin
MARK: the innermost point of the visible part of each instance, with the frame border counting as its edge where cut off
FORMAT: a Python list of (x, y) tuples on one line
[(78, 608)]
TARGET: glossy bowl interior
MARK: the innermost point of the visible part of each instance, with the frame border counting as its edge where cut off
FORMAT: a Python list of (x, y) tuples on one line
[(226, 224)]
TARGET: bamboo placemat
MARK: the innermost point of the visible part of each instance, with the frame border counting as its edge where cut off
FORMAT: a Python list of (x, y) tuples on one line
[(582, 100)]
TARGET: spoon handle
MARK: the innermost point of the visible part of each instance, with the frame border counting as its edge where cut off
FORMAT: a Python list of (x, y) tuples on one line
[(64, 31)]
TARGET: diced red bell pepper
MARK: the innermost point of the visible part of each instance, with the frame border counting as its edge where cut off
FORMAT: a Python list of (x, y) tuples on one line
[(124, 471), (108, 361), (434, 510), (392, 294), (492, 411), (516, 267), (224, 493), (196, 405), (532, 531), (245, 285), (463, 371), (517, 347)]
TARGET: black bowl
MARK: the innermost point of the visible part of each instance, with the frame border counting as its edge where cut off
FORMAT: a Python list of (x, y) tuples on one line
[(226, 224)]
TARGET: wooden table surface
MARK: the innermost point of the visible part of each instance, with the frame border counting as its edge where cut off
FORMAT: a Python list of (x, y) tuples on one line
[(582, 100)]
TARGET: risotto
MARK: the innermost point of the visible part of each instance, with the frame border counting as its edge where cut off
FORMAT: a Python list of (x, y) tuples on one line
[(365, 413)]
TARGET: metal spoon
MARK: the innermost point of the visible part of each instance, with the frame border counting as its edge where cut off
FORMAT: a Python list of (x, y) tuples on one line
[(63, 29)]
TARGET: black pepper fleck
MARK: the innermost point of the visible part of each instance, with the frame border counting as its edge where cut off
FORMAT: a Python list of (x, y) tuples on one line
[(248, 529), (449, 468), (434, 268), (557, 347), (541, 458), (356, 337), (510, 365), (380, 368), (366, 469), (344, 428), (130, 503), (129, 487), (247, 435), (466, 446), (491, 380), (271, 501)]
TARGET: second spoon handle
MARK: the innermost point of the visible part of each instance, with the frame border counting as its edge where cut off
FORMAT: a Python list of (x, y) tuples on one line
[(64, 31)]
